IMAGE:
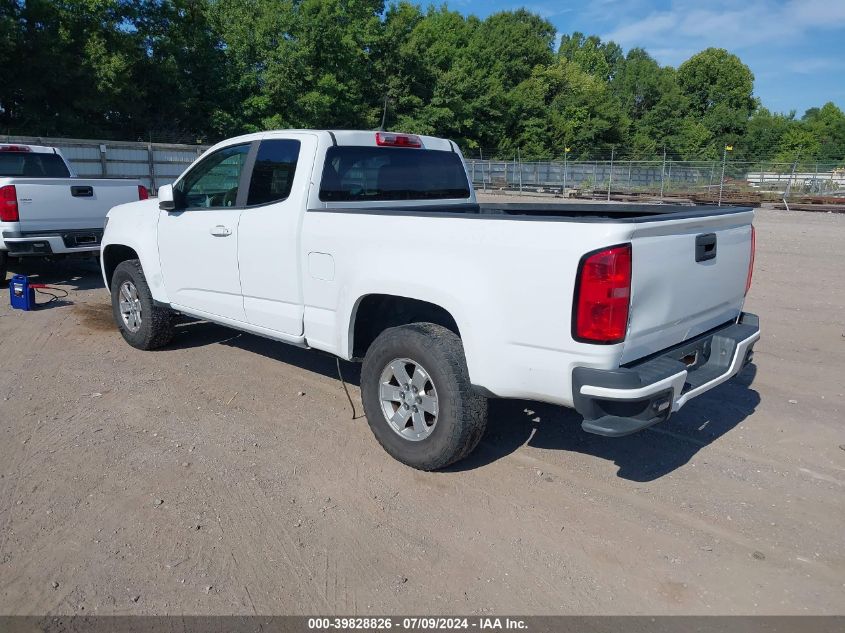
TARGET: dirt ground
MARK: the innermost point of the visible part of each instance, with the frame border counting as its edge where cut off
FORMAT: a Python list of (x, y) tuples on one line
[(224, 475)]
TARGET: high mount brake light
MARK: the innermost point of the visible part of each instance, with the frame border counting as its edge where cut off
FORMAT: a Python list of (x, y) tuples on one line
[(751, 261), (603, 296), (9, 204), (143, 194), (14, 148), (389, 139)]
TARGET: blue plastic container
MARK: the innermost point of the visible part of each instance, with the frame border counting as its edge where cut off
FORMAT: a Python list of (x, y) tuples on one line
[(21, 295)]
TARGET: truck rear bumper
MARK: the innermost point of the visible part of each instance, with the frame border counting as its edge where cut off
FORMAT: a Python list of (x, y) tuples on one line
[(618, 402), (52, 243)]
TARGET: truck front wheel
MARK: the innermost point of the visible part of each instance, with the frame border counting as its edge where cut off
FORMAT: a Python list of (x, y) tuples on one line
[(143, 324), (418, 398)]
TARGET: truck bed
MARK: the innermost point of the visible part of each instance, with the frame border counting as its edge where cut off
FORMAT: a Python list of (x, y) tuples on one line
[(516, 255), (560, 211), (605, 212)]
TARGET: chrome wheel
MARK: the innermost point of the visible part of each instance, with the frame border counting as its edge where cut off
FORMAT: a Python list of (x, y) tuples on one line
[(408, 399), (130, 306)]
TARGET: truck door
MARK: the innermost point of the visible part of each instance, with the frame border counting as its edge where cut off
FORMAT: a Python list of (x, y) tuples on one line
[(269, 232), (198, 244)]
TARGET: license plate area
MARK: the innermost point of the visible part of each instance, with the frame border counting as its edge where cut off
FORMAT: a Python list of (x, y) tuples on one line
[(80, 239)]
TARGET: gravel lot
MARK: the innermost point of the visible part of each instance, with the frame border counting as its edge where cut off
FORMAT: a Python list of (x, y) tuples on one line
[(224, 474)]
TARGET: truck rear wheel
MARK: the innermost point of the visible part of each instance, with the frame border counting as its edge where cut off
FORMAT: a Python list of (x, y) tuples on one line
[(418, 398), (4, 266), (143, 324)]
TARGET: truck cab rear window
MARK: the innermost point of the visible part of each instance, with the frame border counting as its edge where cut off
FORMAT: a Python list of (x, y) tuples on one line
[(32, 165), (363, 174)]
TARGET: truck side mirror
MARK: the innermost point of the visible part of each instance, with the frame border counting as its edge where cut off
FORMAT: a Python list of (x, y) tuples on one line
[(168, 198)]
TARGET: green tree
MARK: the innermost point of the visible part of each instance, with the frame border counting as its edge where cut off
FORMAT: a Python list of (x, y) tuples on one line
[(720, 92), (764, 134), (601, 59), (303, 64), (508, 45), (68, 68), (335, 41), (10, 49), (797, 144), (180, 91), (434, 97), (206, 69), (399, 71), (827, 126), (502, 51), (659, 111), (560, 106)]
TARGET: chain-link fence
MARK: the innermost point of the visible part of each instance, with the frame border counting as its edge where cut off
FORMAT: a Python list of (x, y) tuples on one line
[(156, 164), (699, 181)]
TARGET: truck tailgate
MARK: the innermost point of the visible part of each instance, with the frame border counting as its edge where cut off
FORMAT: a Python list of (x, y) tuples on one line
[(688, 276), (69, 203)]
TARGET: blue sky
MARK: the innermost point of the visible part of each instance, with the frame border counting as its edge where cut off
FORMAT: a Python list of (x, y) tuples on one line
[(795, 48)]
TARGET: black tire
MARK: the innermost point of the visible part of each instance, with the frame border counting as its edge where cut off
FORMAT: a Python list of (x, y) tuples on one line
[(4, 267), (462, 412), (156, 327)]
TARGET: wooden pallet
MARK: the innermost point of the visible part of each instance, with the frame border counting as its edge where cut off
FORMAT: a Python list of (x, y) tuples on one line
[(826, 200), (819, 208)]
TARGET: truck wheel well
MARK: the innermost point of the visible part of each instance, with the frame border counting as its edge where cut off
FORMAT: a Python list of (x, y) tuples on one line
[(113, 255), (376, 313)]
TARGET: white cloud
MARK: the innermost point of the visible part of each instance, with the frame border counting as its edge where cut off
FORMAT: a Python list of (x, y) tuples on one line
[(814, 65), (545, 9), (726, 24), (817, 13)]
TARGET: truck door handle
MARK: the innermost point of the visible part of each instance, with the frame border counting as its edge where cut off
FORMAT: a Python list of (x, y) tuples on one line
[(221, 231), (705, 247), (82, 191)]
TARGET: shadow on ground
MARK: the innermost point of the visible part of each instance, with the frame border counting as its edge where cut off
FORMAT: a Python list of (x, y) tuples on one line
[(644, 456), (74, 274), (192, 333)]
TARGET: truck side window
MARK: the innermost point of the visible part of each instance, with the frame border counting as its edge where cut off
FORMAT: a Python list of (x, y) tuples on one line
[(272, 176), (214, 181)]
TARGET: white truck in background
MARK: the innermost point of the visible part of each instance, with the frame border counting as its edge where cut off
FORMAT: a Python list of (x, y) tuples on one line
[(371, 245), (47, 211)]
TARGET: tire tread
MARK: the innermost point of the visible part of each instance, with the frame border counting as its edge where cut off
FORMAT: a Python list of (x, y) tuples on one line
[(158, 331), (467, 408)]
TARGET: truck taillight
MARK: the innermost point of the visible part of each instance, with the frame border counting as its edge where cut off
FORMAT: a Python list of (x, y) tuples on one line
[(751, 261), (143, 194), (9, 204), (389, 139), (602, 296), (14, 148)]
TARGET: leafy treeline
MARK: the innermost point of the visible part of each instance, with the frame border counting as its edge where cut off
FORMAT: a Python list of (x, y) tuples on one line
[(205, 69)]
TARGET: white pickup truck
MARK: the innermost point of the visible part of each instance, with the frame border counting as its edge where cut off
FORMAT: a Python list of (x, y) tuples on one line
[(371, 245), (46, 211)]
